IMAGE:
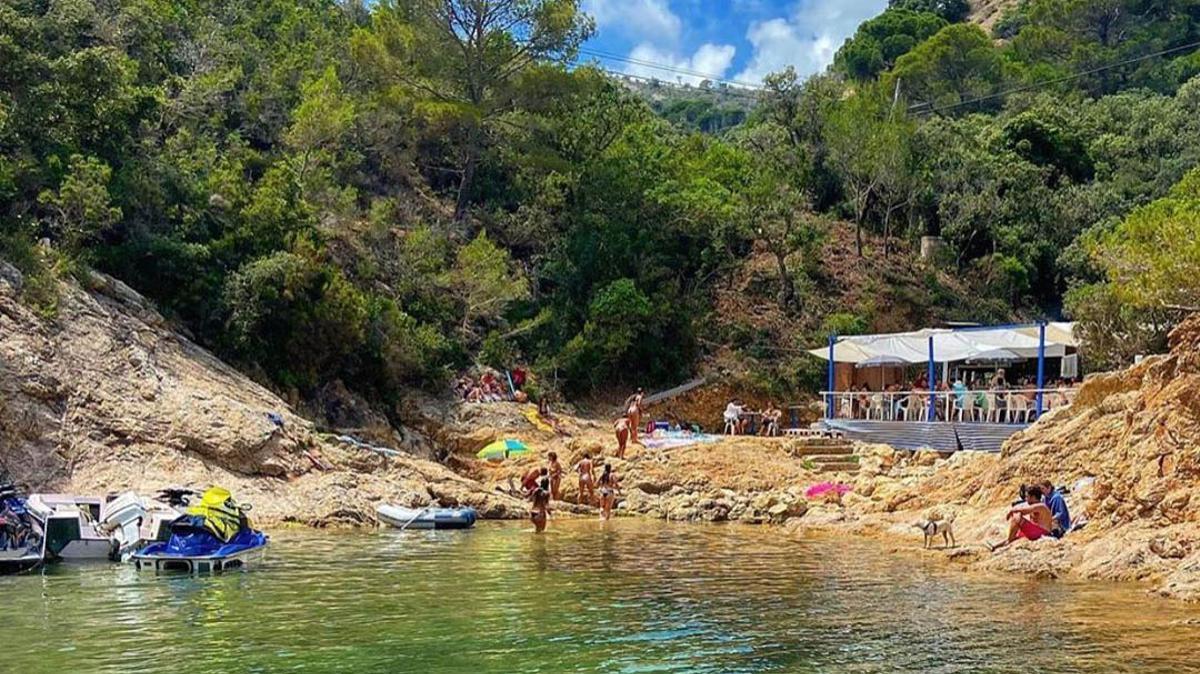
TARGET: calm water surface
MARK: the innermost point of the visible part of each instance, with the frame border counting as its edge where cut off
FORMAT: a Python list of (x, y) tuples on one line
[(623, 597)]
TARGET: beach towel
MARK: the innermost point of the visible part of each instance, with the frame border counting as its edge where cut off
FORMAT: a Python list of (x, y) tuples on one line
[(536, 419)]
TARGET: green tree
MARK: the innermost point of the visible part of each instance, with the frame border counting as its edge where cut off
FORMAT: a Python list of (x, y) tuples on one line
[(958, 64), (879, 41), (483, 279), (950, 10), (462, 60), (81, 209)]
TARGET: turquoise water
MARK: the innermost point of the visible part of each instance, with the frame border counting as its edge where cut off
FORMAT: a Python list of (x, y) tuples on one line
[(626, 596)]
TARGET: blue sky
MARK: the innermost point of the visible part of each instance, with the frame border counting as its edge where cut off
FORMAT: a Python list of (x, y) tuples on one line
[(738, 40)]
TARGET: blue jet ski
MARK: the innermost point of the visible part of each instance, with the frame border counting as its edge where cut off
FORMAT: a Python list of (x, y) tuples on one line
[(214, 535), (22, 545)]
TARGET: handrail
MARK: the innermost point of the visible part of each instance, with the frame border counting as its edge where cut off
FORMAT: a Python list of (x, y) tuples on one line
[(1006, 405)]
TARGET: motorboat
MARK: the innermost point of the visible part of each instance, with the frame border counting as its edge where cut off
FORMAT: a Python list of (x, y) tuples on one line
[(70, 526), (426, 518), (213, 535), (22, 546)]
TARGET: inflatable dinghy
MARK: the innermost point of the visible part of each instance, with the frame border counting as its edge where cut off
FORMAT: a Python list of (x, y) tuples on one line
[(426, 518)]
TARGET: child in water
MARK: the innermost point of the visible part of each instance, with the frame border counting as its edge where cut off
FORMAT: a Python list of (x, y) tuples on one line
[(609, 486), (539, 511)]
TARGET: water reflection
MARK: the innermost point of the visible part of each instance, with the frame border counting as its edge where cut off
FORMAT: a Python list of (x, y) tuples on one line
[(621, 596)]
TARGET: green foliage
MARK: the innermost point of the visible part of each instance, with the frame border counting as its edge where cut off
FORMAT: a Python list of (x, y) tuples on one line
[(305, 185), (950, 10), (298, 319), (80, 211), (958, 64), (1152, 259), (484, 282), (844, 324), (881, 40)]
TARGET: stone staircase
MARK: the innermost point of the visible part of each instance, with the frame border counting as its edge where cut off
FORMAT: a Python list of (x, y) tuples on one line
[(827, 455)]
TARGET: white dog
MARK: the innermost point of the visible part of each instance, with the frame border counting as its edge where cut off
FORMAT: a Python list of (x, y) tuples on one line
[(933, 528)]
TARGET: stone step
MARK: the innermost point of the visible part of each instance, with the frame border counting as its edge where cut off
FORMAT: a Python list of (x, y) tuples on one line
[(833, 458), (820, 442), (840, 450), (845, 467)]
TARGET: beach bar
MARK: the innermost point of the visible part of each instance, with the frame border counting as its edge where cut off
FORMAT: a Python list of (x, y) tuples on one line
[(949, 389)]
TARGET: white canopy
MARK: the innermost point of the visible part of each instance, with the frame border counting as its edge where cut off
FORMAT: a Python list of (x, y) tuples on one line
[(952, 345)]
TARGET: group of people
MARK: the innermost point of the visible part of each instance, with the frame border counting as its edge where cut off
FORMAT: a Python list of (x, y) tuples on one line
[(491, 388), (979, 399), (543, 485), (738, 417), (1041, 511)]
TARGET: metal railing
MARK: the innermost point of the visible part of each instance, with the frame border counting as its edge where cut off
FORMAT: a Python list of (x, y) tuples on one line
[(998, 406)]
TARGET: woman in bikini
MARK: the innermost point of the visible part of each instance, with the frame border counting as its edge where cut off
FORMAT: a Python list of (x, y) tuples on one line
[(609, 487), (621, 426), (556, 475), (633, 412), (539, 511), (587, 480)]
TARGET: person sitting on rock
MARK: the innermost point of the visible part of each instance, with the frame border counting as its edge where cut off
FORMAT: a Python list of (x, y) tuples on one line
[(1031, 520), (1057, 504)]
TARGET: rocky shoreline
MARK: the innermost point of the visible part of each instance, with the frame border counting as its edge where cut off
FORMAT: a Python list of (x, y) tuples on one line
[(105, 396)]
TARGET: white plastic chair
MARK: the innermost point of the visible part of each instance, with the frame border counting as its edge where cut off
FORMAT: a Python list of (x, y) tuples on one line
[(966, 410), (1018, 406), (875, 406), (991, 411)]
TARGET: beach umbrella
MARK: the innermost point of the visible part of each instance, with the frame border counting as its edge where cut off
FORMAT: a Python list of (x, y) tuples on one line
[(502, 449), (882, 362)]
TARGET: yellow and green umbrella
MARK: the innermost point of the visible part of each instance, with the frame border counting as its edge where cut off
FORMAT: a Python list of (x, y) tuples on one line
[(502, 449)]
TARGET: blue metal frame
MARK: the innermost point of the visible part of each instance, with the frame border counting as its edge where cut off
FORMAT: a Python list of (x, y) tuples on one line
[(1041, 382), (932, 383), (832, 382)]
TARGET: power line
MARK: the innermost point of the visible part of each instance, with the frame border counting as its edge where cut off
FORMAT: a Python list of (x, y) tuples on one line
[(1057, 80), (674, 69)]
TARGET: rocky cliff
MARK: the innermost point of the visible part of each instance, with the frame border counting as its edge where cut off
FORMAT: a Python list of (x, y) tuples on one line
[(104, 396)]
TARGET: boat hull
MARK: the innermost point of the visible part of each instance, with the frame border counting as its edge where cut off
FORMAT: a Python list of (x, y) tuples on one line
[(428, 518), (165, 563), (19, 561)]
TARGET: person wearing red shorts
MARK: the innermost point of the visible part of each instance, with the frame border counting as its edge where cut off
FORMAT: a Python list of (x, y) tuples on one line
[(1030, 520)]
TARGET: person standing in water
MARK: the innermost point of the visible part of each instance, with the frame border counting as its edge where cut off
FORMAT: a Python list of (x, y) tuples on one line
[(587, 480), (539, 510), (633, 414), (622, 428), (556, 475), (609, 487)]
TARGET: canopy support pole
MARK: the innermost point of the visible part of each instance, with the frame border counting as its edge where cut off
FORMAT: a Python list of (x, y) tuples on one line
[(1041, 377), (932, 384), (832, 381)]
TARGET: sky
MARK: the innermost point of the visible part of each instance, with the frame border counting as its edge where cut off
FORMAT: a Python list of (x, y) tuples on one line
[(734, 40)]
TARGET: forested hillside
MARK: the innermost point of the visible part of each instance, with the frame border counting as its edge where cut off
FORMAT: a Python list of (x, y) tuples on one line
[(384, 193)]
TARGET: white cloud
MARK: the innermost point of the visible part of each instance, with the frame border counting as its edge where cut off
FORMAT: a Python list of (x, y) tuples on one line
[(806, 39), (637, 18), (709, 61)]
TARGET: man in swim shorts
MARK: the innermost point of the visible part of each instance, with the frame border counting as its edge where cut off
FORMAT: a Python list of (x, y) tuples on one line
[(1030, 520)]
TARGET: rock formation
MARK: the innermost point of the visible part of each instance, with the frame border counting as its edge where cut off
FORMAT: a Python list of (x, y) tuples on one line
[(104, 396)]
